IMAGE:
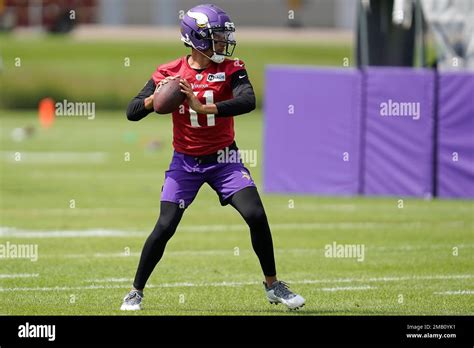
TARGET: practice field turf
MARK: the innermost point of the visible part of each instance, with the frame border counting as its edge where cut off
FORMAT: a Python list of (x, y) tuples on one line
[(74, 195)]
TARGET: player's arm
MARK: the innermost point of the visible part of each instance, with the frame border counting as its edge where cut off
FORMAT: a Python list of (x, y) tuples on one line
[(244, 96), (140, 106), (243, 101)]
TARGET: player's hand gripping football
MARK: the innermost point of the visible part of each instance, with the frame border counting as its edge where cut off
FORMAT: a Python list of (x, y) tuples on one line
[(192, 100), (149, 100)]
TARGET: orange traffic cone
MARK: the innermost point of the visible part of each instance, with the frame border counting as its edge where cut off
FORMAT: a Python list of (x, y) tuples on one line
[(46, 112)]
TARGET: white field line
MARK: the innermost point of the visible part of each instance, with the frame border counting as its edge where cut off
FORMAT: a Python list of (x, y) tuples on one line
[(455, 292), (210, 252), (53, 157), (349, 288), (129, 281), (77, 210), (68, 288), (319, 281), (223, 284), (230, 252), (173, 285), (231, 284), (421, 247), (390, 279), (19, 275), (110, 280), (20, 233)]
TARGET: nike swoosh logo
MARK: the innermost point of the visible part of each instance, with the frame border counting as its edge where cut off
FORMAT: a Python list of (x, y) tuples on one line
[(241, 77)]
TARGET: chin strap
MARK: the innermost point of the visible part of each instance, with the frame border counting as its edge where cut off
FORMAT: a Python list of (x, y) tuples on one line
[(216, 58)]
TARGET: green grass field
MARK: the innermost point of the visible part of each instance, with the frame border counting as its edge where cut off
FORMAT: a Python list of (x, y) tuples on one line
[(70, 191), (418, 259), (61, 68)]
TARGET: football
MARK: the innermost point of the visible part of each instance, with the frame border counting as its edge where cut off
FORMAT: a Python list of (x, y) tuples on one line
[(168, 97)]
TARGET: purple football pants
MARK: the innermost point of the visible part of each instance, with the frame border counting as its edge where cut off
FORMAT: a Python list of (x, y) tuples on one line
[(187, 174)]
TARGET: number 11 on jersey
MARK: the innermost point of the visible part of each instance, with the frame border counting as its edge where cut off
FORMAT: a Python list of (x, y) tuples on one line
[(211, 120)]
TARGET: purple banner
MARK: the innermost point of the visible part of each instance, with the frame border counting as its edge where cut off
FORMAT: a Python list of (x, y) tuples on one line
[(456, 135), (312, 130), (398, 150)]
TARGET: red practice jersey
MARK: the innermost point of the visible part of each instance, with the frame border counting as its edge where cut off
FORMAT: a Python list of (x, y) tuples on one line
[(199, 134)]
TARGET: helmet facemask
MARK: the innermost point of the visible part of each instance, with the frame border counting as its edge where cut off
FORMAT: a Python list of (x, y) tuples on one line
[(222, 42), (223, 38)]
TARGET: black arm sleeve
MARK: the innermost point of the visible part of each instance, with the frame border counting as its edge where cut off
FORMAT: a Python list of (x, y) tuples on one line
[(244, 96), (136, 108)]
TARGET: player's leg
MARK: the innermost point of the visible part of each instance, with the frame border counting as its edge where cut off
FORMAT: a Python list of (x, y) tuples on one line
[(248, 203), (170, 216), (234, 184), (179, 190)]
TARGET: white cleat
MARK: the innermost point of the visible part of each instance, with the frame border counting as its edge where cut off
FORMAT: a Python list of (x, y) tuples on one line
[(133, 301), (280, 293)]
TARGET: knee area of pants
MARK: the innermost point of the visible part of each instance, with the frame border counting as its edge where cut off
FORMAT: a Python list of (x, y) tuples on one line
[(255, 216), (162, 230)]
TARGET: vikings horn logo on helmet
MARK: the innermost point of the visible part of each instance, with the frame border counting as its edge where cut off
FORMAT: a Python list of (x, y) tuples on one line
[(201, 18)]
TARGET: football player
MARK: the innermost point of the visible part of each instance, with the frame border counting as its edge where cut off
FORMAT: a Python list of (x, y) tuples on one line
[(216, 89)]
